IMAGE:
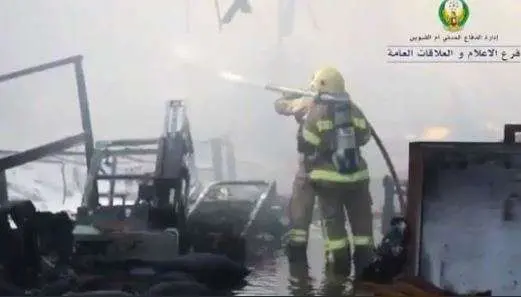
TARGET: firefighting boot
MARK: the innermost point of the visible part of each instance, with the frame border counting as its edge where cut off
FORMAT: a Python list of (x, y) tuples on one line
[(363, 257), (300, 282), (339, 261), (296, 252)]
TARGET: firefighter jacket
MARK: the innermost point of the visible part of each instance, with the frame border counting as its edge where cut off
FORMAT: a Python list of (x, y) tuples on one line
[(297, 108), (318, 129)]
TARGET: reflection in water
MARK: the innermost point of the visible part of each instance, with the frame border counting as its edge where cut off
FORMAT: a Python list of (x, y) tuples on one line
[(275, 276), (300, 282), (333, 284)]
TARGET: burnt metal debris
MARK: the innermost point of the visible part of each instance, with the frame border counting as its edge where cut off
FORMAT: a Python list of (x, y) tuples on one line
[(84, 137), (237, 224), (143, 244), (134, 248)]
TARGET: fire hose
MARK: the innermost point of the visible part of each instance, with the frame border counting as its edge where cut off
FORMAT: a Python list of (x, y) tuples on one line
[(293, 93), (377, 139)]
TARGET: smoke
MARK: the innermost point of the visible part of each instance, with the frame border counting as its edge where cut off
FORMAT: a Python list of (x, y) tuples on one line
[(138, 55), (191, 58), (185, 54)]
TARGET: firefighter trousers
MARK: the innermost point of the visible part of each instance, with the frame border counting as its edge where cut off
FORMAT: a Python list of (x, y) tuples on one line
[(335, 199), (300, 212)]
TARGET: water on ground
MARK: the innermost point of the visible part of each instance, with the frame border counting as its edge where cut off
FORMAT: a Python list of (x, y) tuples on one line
[(273, 275)]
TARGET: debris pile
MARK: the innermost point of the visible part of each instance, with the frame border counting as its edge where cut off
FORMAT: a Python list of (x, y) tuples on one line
[(240, 219), (381, 277), (37, 259), (415, 286)]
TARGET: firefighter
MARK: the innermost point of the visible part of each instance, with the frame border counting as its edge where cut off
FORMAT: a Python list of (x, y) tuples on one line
[(338, 173), (300, 209)]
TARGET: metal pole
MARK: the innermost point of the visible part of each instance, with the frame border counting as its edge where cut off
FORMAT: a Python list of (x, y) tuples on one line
[(85, 111), (112, 189), (39, 68), (217, 158), (64, 182), (388, 211), (85, 116), (218, 12), (230, 160), (4, 197)]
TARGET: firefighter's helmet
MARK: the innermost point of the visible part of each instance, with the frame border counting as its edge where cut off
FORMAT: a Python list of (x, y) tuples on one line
[(328, 80)]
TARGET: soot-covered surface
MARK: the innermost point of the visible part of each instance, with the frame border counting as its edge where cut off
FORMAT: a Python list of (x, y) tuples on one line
[(466, 243)]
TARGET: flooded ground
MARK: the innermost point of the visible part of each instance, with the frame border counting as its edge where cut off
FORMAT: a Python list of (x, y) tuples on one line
[(270, 276), (274, 276)]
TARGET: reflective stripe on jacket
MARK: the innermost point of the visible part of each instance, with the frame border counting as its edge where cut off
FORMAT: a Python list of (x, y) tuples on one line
[(315, 131), (297, 236)]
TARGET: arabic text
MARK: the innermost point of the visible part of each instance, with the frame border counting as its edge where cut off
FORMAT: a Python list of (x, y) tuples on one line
[(455, 37), (454, 54)]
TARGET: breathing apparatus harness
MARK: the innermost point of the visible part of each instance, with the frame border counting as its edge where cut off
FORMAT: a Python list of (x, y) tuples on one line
[(340, 143)]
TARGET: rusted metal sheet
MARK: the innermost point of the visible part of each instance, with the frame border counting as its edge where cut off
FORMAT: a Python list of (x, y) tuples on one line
[(464, 212)]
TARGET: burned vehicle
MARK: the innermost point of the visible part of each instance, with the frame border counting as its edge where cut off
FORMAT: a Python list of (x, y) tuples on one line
[(237, 218)]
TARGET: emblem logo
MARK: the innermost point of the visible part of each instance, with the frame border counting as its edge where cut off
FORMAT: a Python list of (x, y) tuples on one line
[(453, 14)]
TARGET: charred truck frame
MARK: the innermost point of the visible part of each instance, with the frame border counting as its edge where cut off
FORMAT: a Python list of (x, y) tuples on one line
[(159, 213), (157, 219)]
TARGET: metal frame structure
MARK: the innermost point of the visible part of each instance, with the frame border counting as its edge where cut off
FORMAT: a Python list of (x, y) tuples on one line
[(51, 160), (51, 148), (113, 150), (419, 152), (175, 125), (124, 148), (221, 148), (237, 5), (245, 6)]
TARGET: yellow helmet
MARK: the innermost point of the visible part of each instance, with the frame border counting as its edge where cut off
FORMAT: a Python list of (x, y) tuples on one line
[(328, 80)]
